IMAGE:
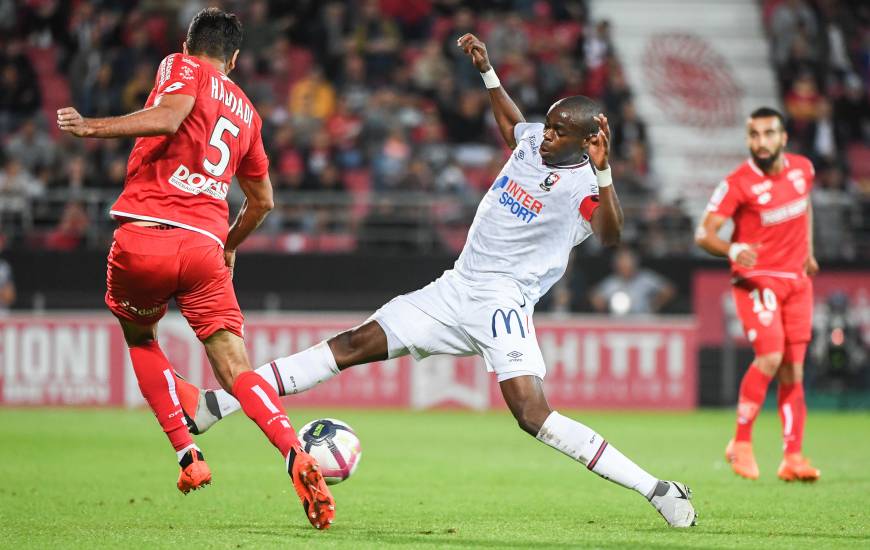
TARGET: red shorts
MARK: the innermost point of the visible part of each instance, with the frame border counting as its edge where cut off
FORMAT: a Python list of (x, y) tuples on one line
[(777, 314), (148, 266)]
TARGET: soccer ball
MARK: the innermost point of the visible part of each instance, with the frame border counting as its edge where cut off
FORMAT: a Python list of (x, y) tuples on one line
[(334, 445)]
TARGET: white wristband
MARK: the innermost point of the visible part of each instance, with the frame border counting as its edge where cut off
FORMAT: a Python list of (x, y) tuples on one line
[(604, 177), (735, 249), (490, 79)]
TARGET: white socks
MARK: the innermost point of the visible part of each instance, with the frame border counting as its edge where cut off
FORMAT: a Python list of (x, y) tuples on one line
[(288, 375), (587, 447)]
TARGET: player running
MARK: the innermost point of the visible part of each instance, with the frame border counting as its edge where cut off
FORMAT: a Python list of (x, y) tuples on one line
[(547, 199), (771, 256), (197, 130)]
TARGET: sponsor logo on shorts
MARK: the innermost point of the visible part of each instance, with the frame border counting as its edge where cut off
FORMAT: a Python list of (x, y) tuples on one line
[(194, 183), (515, 356), (141, 312), (506, 317), (516, 199)]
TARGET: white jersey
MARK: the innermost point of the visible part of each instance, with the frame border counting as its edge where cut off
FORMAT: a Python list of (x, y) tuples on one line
[(531, 218)]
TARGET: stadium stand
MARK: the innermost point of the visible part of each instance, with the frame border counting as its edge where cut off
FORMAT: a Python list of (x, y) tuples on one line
[(377, 127)]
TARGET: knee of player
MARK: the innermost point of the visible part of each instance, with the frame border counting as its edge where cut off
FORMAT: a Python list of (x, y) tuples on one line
[(530, 418), (769, 362)]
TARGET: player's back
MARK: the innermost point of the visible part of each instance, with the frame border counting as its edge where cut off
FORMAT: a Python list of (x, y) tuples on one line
[(183, 179)]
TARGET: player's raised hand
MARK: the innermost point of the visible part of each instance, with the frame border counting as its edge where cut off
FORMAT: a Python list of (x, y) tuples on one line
[(811, 266), (69, 120), (476, 49), (599, 144)]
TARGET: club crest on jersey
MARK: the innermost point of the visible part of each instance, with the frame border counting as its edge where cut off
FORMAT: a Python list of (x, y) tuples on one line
[(797, 179), (551, 180)]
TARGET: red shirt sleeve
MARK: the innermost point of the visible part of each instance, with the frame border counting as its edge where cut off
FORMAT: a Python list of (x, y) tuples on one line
[(725, 199), (177, 74), (588, 206), (255, 164)]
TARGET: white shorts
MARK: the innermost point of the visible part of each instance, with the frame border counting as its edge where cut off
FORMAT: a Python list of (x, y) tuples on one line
[(455, 316)]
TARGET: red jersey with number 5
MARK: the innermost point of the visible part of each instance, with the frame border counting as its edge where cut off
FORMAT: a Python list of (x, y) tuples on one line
[(771, 212), (183, 179)]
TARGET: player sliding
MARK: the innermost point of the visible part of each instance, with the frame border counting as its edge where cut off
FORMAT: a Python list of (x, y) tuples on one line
[(547, 199), (197, 129), (771, 255)]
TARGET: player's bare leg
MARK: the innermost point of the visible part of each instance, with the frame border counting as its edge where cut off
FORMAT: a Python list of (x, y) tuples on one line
[(157, 383), (792, 412), (526, 400), (292, 374), (229, 360), (753, 389)]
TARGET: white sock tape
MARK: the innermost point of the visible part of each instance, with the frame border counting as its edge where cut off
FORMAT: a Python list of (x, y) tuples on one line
[(490, 79)]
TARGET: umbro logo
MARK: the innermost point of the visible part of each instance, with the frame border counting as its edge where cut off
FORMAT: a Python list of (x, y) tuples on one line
[(515, 355)]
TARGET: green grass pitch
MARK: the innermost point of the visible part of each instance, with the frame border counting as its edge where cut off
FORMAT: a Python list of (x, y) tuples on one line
[(106, 478)]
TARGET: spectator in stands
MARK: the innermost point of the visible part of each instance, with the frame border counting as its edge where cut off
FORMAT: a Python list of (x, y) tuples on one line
[(70, 231), (19, 88), (630, 290), (7, 282), (628, 131), (376, 38), (32, 147), (786, 22), (430, 68), (852, 111), (312, 96)]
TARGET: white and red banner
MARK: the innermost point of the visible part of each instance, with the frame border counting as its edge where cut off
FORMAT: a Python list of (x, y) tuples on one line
[(592, 362)]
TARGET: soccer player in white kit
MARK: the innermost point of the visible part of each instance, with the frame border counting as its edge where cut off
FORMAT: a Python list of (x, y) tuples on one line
[(554, 191)]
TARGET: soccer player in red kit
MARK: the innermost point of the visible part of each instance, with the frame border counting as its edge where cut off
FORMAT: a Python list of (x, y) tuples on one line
[(772, 260), (197, 130)]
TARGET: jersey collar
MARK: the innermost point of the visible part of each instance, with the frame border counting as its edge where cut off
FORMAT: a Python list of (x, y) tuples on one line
[(583, 162)]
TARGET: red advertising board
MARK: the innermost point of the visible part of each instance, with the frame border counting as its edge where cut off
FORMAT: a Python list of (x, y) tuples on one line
[(593, 362)]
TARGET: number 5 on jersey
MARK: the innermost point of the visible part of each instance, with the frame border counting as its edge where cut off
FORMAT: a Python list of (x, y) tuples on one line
[(217, 141)]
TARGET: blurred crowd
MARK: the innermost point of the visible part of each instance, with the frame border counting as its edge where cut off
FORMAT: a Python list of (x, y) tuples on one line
[(378, 127), (821, 53)]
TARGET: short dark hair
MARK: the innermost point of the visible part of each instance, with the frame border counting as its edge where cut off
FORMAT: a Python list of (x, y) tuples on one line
[(767, 112), (215, 33), (582, 111)]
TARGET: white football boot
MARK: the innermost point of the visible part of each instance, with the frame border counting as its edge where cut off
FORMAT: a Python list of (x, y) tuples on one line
[(672, 499)]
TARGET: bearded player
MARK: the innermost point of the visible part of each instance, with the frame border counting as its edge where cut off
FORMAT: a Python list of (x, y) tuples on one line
[(771, 256), (549, 197), (197, 130)]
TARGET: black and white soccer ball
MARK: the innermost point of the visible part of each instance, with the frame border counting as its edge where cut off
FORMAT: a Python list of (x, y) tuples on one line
[(334, 445)]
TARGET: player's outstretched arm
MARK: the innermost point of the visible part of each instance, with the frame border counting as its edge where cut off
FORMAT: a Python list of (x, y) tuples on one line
[(258, 203), (507, 114), (607, 220), (162, 119), (707, 237)]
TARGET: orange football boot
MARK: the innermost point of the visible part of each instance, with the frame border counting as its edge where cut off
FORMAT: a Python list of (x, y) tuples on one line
[(741, 458), (195, 475), (796, 467), (188, 397), (316, 498)]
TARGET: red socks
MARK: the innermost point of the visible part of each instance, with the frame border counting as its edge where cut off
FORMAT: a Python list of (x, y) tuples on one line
[(753, 388), (793, 413), (157, 383), (260, 402)]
